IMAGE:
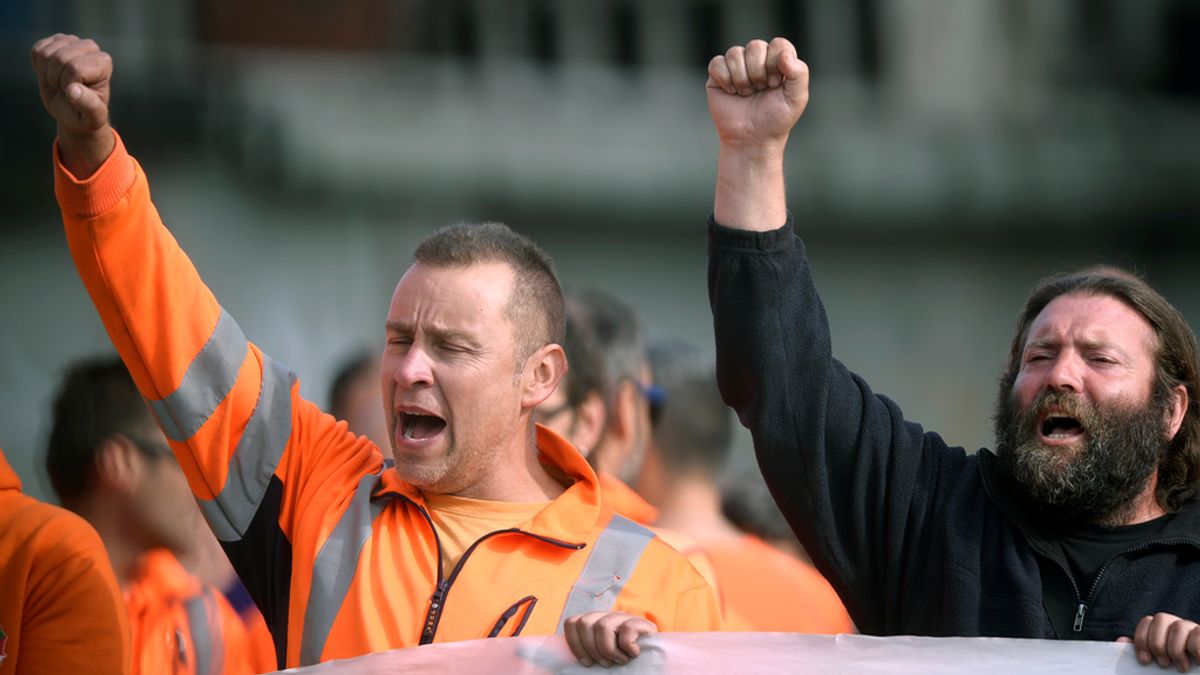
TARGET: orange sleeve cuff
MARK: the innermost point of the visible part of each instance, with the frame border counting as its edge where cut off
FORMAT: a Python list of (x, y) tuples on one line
[(99, 192)]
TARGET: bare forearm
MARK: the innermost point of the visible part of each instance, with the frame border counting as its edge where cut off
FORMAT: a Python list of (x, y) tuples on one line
[(751, 192)]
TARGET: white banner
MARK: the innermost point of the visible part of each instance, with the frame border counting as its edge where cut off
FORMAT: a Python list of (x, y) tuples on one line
[(755, 653)]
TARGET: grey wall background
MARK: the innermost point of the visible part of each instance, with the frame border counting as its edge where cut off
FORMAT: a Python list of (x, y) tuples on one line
[(954, 152)]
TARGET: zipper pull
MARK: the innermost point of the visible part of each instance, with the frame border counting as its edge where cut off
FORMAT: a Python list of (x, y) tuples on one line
[(1079, 617), (435, 609)]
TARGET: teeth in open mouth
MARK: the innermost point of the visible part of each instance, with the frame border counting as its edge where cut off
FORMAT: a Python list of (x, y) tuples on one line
[(409, 425)]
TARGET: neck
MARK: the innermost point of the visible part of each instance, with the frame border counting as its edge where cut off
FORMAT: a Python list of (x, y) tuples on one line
[(691, 505), (1145, 507), (516, 476), (123, 552)]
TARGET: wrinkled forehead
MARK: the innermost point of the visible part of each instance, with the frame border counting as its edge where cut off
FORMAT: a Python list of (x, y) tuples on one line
[(1093, 319)]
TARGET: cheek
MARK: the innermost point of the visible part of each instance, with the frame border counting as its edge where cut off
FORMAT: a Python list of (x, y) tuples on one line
[(1024, 390)]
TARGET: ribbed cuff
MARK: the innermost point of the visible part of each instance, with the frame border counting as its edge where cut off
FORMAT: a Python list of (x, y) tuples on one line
[(723, 237), (99, 192)]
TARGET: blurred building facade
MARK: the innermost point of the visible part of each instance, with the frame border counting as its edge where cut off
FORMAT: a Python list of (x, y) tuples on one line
[(954, 151)]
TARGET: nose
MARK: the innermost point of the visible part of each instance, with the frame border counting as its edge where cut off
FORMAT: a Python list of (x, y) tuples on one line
[(1065, 373), (412, 368)]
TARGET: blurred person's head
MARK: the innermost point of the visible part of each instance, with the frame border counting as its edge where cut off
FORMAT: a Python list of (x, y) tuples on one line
[(691, 437), (109, 462), (1097, 419), (576, 409), (473, 337), (623, 383), (354, 398), (747, 503)]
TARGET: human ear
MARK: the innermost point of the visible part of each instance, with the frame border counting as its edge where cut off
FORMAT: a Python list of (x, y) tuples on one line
[(119, 465), (543, 370), (1176, 411)]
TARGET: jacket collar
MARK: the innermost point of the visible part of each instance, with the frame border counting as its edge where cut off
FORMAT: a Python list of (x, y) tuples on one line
[(569, 518)]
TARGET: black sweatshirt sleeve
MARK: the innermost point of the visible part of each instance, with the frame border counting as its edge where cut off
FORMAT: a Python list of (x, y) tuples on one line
[(855, 481)]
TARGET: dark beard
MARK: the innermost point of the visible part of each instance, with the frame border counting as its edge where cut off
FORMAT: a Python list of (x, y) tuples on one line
[(1098, 480)]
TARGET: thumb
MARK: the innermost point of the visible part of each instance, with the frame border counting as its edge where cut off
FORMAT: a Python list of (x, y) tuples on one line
[(92, 109), (1124, 640), (795, 77)]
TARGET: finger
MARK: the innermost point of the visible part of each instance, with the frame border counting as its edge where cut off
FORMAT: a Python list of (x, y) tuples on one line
[(1193, 644), (587, 636), (630, 631), (1141, 640), (1176, 643), (41, 60), (1156, 640), (774, 50), (604, 633), (63, 54), (38, 53), (571, 631), (795, 82), (90, 69), (91, 111), (756, 64), (735, 58), (45, 48), (718, 74)]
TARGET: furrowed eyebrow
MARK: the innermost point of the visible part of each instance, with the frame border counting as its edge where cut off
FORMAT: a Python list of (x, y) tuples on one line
[(443, 334)]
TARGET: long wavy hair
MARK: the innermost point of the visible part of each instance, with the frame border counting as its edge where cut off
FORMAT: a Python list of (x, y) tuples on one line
[(1175, 361)]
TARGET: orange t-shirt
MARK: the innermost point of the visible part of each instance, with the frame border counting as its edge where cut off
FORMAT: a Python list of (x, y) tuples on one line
[(180, 625), (772, 591), (60, 610), (461, 521)]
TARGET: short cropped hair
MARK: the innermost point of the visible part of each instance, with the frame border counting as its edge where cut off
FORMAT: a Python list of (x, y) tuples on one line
[(614, 329), (535, 304), (586, 374), (694, 429), (95, 401), (1175, 362)]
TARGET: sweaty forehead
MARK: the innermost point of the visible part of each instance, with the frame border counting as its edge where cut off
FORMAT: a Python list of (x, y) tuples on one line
[(1092, 319)]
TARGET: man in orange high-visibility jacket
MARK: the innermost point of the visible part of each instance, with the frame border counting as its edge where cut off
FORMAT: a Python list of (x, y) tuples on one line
[(483, 528), (60, 610)]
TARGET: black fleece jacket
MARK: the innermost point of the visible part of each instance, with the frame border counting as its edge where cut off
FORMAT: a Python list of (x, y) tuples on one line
[(918, 537)]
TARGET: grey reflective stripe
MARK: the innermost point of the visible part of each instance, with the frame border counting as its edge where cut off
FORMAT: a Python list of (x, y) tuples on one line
[(208, 648), (207, 381), (335, 567), (257, 454), (614, 556)]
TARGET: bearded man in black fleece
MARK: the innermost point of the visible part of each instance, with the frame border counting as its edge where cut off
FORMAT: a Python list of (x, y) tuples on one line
[(1082, 525)]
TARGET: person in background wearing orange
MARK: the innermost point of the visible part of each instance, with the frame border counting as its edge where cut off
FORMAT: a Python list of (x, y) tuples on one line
[(482, 525), (767, 589), (110, 464), (60, 610), (605, 405)]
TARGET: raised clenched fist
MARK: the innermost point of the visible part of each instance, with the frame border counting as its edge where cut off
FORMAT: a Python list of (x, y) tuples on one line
[(73, 79), (757, 93)]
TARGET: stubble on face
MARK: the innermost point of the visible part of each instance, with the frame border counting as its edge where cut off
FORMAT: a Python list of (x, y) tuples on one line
[(1096, 480)]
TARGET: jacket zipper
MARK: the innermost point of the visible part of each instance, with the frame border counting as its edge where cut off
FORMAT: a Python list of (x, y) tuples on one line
[(1078, 627), (1081, 607), (437, 602)]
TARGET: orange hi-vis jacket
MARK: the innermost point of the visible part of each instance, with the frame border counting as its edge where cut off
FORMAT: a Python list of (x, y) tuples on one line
[(339, 552), (180, 625), (60, 609)]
